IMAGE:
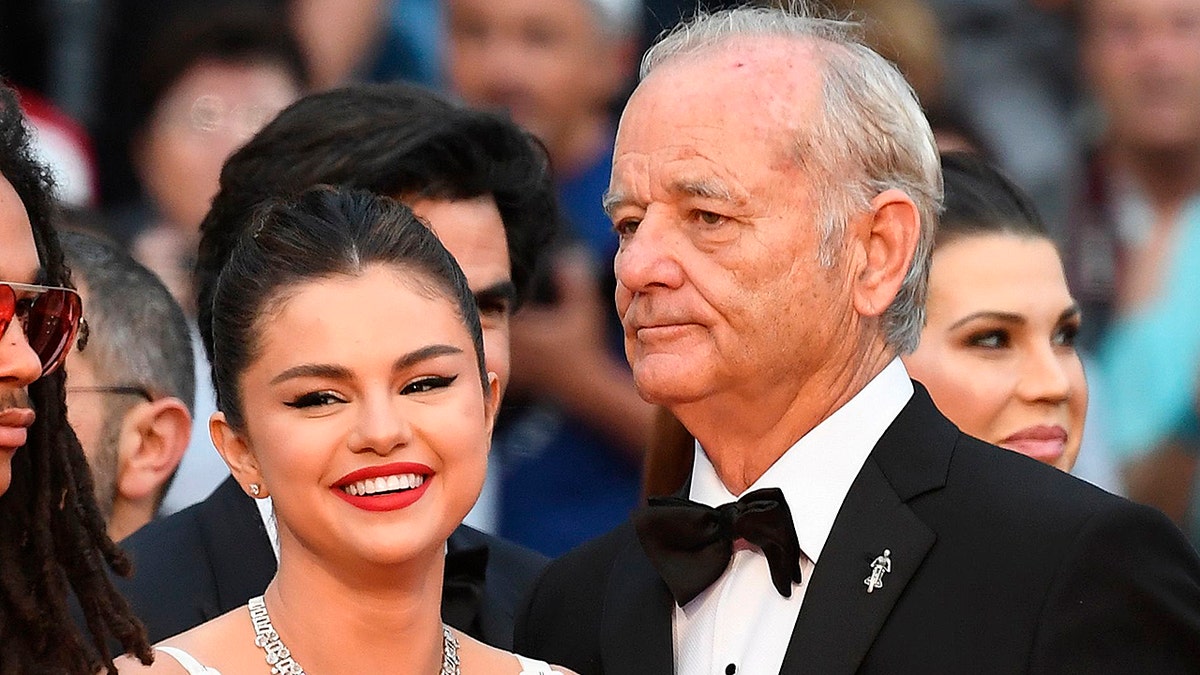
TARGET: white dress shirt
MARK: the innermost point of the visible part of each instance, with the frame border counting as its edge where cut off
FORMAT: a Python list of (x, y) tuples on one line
[(741, 624)]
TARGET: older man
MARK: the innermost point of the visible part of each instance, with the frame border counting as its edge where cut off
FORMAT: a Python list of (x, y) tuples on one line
[(130, 391), (775, 188)]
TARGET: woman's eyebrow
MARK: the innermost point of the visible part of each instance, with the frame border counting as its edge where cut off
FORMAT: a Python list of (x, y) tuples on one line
[(1004, 317), (336, 372)]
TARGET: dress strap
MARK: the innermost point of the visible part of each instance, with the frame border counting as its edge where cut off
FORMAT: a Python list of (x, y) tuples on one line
[(535, 667), (189, 662)]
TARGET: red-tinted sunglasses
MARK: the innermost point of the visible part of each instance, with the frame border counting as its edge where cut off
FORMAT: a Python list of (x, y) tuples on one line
[(48, 315)]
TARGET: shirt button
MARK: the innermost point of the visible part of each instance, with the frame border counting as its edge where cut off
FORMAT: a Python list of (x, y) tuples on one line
[(730, 669)]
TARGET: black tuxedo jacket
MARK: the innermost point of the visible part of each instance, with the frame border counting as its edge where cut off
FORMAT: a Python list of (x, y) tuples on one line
[(212, 557), (999, 565)]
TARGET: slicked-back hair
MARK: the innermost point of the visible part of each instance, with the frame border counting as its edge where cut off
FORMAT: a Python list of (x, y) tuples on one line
[(323, 233), (872, 136), (53, 541), (395, 140), (981, 201)]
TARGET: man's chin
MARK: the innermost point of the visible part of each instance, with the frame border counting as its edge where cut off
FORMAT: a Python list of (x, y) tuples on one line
[(666, 387)]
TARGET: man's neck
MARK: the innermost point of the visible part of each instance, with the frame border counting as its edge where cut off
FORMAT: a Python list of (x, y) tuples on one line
[(743, 435), (1167, 178)]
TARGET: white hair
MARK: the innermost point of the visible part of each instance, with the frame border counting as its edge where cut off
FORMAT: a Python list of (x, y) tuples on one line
[(872, 136)]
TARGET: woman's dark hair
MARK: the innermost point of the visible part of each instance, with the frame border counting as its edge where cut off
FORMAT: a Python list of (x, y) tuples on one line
[(980, 201), (53, 541), (323, 232)]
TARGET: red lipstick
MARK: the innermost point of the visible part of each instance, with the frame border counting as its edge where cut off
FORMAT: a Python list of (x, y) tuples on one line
[(376, 498)]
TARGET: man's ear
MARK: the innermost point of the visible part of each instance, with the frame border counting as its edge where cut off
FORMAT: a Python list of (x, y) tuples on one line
[(237, 454), (885, 240), (154, 436)]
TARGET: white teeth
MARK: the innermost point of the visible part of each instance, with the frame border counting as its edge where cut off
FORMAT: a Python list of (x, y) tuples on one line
[(370, 486)]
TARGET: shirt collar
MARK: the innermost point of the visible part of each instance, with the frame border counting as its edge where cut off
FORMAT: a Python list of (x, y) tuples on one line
[(816, 472)]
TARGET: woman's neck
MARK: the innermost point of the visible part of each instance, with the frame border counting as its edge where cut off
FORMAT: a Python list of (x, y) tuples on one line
[(352, 618)]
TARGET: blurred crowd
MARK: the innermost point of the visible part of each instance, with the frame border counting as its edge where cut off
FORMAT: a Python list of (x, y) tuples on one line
[(1091, 107)]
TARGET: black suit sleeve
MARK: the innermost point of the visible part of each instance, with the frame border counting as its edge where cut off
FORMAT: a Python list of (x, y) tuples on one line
[(561, 620), (1126, 599)]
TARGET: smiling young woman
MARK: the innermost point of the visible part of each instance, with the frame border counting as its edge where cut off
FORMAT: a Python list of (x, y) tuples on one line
[(998, 349), (348, 359)]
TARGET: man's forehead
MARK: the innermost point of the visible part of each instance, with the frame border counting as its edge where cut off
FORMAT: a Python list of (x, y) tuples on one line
[(772, 62), (739, 85), (18, 253)]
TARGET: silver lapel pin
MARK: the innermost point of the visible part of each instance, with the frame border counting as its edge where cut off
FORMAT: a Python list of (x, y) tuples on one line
[(881, 566)]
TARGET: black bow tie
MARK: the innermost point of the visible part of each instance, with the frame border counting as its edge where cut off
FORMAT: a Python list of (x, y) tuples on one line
[(691, 544)]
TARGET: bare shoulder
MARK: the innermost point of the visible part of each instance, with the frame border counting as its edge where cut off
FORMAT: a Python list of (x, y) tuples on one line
[(477, 657), (162, 665), (223, 642)]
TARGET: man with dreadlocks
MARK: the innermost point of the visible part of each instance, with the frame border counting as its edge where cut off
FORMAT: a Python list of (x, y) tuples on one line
[(52, 536)]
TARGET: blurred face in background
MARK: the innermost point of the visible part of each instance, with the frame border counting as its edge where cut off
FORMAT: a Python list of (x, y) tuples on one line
[(1142, 60), (202, 119), (998, 350), (548, 62)]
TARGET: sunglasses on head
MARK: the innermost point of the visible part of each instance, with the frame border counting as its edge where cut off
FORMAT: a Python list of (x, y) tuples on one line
[(49, 317)]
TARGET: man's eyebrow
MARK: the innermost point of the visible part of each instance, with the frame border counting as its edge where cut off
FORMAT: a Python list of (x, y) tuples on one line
[(612, 200), (701, 188), (501, 290), (704, 189)]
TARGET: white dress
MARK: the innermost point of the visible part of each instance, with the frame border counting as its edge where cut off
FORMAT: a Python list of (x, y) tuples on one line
[(194, 667)]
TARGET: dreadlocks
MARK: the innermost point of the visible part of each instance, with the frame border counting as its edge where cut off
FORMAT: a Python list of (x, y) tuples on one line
[(52, 536)]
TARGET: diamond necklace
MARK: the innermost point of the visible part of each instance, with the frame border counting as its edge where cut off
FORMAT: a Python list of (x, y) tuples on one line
[(280, 658)]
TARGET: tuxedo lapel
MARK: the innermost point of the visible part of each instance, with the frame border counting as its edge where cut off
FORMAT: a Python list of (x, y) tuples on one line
[(839, 618), (238, 547), (636, 628)]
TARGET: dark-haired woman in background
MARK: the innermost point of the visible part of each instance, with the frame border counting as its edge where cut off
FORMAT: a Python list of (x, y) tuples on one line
[(348, 358), (998, 350)]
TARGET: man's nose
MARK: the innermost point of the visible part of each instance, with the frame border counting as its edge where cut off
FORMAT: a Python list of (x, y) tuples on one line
[(649, 256), (19, 364)]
